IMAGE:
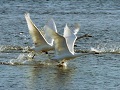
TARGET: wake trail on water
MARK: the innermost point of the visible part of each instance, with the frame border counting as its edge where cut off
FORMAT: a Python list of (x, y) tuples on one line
[(13, 49), (107, 48), (24, 57)]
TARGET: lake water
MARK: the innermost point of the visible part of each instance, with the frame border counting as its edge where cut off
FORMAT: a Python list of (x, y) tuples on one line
[(98, 18)]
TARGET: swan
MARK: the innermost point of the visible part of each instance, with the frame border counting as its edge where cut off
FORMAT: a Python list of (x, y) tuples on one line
[(63, 47), (42, 37), (42, 42)]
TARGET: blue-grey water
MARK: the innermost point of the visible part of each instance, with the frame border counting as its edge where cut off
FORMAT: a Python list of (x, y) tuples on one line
[(98, 18)]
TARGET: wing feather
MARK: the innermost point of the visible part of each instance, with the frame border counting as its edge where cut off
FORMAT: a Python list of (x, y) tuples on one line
[(77, 28), (70, 38), (60, 42), (52, 25), (36, 35)]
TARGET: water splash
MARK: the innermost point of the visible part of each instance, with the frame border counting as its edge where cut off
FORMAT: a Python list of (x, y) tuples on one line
[(8, 48), (13, 49), (107, 48), (21, 58), (26, 59)]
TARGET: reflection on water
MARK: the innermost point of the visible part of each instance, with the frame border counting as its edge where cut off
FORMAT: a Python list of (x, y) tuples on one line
[(53, 78)]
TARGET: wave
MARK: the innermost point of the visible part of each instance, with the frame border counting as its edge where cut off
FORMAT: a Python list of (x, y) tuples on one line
[(25, 59), (44, 59), (13, 49), (24, 56)]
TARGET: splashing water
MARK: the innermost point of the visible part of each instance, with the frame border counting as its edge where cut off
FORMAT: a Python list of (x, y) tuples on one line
[(8, 48), (107, 48), (14, 49), (20, 60), (26, 59)]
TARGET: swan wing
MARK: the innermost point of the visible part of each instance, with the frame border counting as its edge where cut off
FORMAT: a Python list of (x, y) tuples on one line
[(59, 41), (77, 28), (70, 38), (52, 25), (36, 35)]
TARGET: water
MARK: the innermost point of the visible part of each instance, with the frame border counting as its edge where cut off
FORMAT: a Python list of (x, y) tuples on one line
[(99, 18)]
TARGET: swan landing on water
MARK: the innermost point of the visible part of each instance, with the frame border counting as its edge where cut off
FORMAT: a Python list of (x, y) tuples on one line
[(63, 45), (64, 50)]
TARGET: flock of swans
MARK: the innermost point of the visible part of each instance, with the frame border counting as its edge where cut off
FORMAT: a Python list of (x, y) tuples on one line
[(49, 39)]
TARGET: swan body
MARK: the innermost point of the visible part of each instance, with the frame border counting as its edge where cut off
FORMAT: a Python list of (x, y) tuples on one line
[(63, 53)]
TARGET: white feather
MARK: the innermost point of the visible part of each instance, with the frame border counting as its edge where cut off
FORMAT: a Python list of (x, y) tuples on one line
[(50, 23), (39, 41), (77, 28), (70, 38), (61, 46)]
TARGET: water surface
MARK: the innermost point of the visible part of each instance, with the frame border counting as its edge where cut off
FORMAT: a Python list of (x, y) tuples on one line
[(99, 18)]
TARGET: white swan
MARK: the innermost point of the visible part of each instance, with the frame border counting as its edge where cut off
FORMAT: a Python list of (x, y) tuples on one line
[(42, 42), (64, 50)]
